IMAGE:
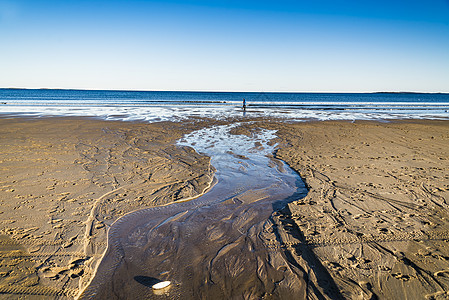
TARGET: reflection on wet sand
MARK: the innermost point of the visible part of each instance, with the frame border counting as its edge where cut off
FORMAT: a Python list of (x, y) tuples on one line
[(222, 244)]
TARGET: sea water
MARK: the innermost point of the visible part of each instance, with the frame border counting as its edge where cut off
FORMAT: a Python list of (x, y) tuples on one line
[(152, 106)]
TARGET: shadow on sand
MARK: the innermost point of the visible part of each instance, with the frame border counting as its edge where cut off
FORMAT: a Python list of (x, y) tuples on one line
[(146, 280), (325, 281)]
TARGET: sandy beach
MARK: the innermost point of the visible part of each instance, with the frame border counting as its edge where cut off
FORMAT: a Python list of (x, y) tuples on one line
[(374, 223), (64, 181)]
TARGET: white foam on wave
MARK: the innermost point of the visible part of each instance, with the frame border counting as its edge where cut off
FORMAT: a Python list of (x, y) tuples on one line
[(180, 112)]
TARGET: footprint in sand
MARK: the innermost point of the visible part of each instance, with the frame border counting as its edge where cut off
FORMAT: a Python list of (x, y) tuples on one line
[(401, 276), (442, 273)]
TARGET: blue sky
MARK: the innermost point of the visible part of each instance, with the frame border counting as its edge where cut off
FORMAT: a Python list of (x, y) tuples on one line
[(315, 46)]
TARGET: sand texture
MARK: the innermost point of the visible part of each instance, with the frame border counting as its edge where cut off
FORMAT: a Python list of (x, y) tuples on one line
[(64, 181), (375, 221), (221, 245)]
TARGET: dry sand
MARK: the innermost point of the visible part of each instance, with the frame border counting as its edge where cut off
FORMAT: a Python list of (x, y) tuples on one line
[(376, 219), (374, 223)]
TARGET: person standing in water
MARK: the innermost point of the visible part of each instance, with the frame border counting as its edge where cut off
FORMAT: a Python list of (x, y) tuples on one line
[(244, 104)]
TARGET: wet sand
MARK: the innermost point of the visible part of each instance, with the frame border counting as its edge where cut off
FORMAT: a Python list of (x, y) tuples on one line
[(213, 246), (64, 181), (374, 222)]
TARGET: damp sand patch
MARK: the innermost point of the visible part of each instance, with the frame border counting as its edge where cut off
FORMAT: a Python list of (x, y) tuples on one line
[(221, 244)]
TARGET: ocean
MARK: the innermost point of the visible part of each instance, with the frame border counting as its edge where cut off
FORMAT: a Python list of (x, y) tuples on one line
[(155, 106)]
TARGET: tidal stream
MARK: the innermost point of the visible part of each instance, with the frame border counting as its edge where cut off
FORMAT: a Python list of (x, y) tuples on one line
[(212, 246)]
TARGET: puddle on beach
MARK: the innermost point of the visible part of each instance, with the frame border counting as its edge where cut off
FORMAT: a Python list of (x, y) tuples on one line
[(218, 245)]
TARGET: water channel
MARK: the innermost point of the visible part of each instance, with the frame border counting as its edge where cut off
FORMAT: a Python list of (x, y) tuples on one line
[(212, 246)]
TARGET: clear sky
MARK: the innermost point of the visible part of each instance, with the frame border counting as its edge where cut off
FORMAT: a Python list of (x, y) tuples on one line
[(226, 45)]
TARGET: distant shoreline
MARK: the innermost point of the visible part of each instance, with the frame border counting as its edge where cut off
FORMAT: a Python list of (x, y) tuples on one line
[(224, 92)]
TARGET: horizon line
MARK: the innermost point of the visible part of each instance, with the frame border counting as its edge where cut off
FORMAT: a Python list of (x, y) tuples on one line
[(227, 91)]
